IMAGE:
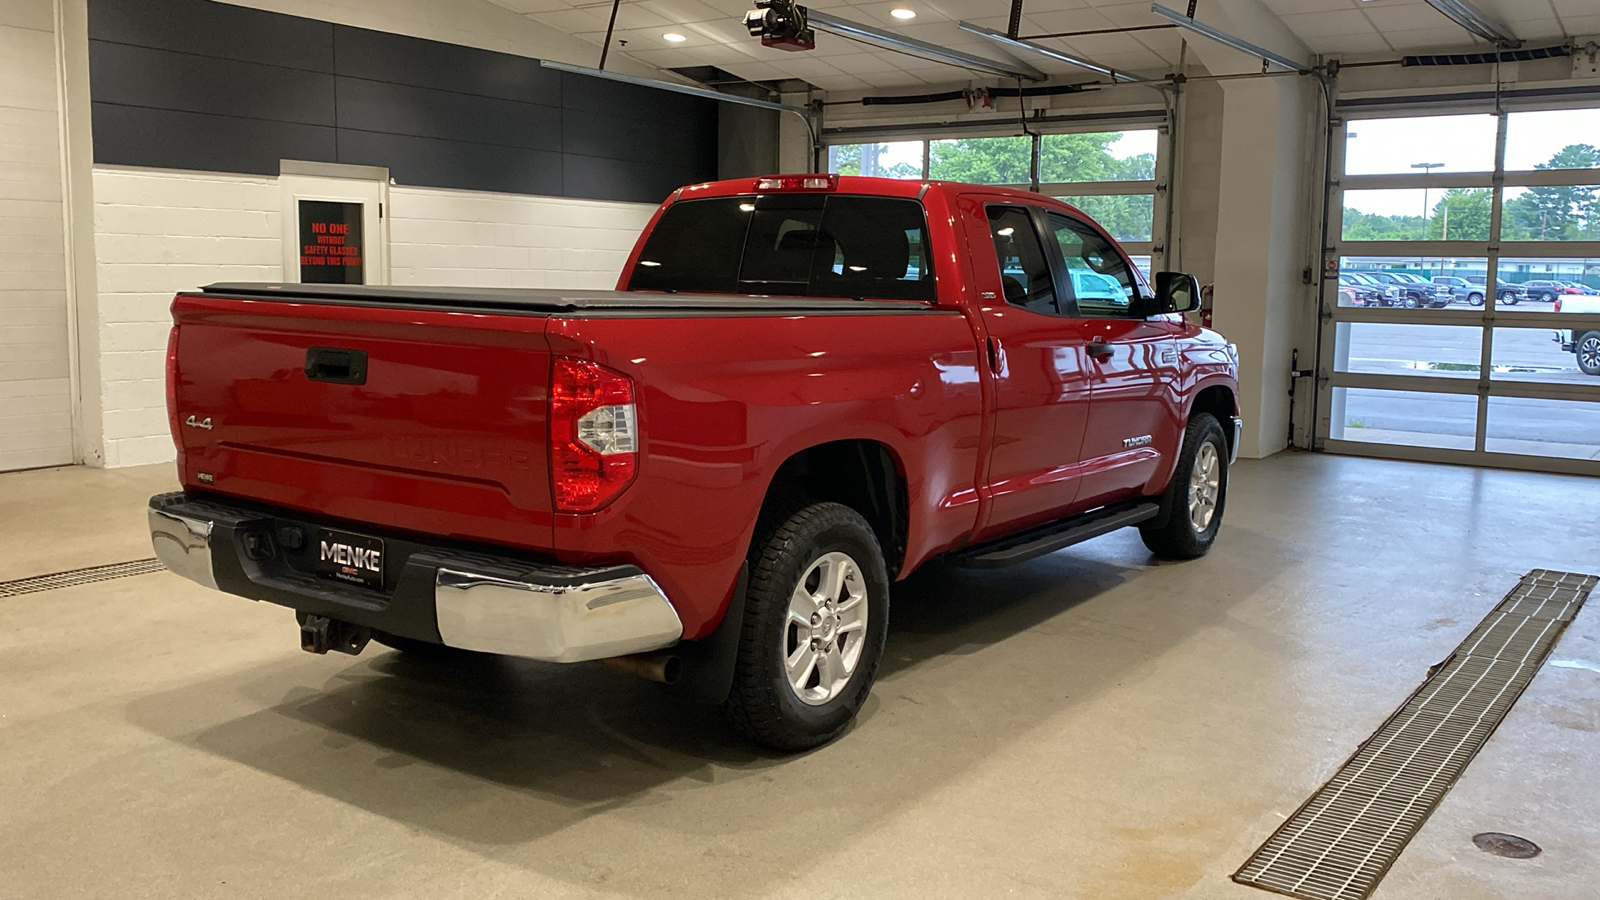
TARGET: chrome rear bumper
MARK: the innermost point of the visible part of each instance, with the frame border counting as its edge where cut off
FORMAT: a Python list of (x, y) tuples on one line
[(470, 601)]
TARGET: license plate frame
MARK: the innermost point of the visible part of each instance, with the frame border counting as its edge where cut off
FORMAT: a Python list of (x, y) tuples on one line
[(348, 557)]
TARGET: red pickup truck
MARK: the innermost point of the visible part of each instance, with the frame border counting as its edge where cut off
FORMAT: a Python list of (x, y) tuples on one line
[(804, 388)]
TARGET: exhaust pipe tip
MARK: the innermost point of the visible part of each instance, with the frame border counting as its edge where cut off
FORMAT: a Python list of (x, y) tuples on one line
[(665, 668)]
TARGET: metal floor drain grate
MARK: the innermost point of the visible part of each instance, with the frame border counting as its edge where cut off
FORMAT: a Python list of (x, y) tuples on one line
[(1342, 841), (79, 576)]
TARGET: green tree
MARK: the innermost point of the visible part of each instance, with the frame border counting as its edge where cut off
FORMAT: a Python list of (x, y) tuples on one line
[(1063, 158), (1462, 214), (1360, 226), (1563, 213)]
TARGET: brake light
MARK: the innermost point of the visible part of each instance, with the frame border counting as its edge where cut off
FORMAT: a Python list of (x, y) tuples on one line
[(172, 394), (1558, 304), (594, 435), (797, 183)]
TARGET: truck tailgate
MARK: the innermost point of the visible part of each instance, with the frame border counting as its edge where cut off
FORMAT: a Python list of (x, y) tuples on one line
[(439, 429)]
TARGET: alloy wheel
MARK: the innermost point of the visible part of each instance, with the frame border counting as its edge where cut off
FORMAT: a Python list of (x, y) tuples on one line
[(826, 628), (1205, 485)]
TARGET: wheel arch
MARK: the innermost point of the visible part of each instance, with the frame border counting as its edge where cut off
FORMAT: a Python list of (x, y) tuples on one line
[(861, 473)]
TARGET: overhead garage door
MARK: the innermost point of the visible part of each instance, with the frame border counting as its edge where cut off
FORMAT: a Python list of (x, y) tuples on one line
[(1467, 248), (35, 390)]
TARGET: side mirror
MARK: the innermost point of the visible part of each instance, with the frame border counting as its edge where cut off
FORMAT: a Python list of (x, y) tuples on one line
[(1176, 292)]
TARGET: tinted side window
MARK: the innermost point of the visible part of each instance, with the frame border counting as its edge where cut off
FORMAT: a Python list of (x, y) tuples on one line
[(1098, 277), (799, 244), (1024, 271)]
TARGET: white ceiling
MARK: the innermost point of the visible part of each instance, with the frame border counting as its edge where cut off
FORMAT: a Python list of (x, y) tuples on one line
[(717, 36)]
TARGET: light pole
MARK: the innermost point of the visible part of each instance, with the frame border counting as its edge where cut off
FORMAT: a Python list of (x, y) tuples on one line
[(1427, 168)]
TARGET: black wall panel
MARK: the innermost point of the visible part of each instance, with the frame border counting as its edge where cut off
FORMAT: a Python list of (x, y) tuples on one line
[(196, 84), (397, 59), (171, 139)]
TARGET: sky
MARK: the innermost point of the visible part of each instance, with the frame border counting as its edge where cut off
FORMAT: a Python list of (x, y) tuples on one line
[(1461, 143)]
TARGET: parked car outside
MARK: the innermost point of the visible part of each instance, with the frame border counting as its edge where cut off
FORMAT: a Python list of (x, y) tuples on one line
[(1582, 288), (1387, 294), (1505, 292), (1461, 288), (1414, 292), (1357, 291), (1547, 291), (1582, 343)]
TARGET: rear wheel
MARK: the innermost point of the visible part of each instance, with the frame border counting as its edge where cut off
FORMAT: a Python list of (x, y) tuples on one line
[(816, 614), (1196, 496), (1588, 352), (1547, 297)]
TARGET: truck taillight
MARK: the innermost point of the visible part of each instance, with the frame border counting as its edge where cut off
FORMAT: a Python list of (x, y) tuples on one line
[(172, 394), (594, 434), (1558, 304)]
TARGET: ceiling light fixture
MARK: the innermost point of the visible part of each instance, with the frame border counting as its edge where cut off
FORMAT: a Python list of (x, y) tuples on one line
[(1226, 39), (900, 12), (672, 37), (1006, 40), (878, 37), (1462, 13)]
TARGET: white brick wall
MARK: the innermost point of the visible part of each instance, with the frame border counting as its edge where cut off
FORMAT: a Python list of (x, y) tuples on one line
[(160, 232), (505, 240), (35, 376), (157, 233)]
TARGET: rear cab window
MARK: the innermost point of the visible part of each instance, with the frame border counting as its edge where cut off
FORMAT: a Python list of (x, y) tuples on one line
[(809, 245)]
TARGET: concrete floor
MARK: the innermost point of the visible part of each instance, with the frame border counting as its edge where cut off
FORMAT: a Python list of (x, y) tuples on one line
[(1092, 724)]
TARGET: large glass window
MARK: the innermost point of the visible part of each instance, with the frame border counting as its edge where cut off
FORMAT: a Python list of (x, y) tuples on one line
[(1552, 139), (1497, 369), (1441, 144), (807, 244)]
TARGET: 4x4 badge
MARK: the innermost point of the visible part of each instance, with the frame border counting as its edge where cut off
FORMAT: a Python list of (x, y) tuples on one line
[(192, 422)]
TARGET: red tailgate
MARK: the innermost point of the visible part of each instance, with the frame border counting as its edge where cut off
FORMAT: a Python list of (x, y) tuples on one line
[(446, 436)]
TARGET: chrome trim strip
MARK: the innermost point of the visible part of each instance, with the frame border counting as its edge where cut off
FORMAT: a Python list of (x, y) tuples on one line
[(555, 623), (1238, 435), (184, 546)]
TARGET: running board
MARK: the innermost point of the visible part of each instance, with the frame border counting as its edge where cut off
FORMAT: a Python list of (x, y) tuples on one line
[(1052, 537)]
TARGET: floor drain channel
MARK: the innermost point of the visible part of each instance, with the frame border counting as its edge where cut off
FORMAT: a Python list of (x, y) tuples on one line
[(79, 576), (1341, 842)]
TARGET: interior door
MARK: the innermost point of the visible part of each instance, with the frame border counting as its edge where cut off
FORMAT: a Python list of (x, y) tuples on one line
[(1037, 368), (1134, 411), (335, 230)]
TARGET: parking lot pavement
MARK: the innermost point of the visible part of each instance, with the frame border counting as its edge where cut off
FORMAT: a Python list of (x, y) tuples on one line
[(1520, 354)]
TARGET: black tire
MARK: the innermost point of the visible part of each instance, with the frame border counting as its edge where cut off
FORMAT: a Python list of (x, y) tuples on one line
[(1475, 299), (763, 705), (1410, 301), (1587, 346), (1508, 299), (1179, 538), (1547, 297)]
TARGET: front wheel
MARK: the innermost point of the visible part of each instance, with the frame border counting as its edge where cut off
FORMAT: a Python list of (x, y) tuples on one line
[(1588, 351), (1410, 302), (1196, 496), (1475, 299), (816, 615), (1508, 299)]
